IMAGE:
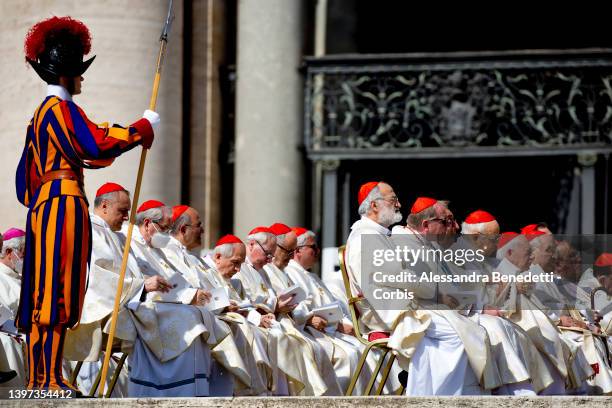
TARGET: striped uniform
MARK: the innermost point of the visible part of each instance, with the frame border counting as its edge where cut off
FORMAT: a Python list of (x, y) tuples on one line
[(58, 231)]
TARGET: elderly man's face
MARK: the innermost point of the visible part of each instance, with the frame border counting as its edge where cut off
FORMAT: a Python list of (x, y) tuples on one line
[(115, 212), (387, 208), (605, 280), (520, 254), (192, 232), (544, 252), (152, 228), (443, 227), (569, 262), (307, 254), (229, 266), (284, 252), (261, 254), (487, 240)]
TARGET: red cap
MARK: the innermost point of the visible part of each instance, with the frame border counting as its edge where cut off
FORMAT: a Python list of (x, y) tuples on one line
[(529, 229), (478, 217), (299, 230), (279, 229), (147, 205), (261, 229), (228, 239), (505, 238), (421, 204), (178, 210), (365, 189), (604, 259), (109, 188), (533, 235)]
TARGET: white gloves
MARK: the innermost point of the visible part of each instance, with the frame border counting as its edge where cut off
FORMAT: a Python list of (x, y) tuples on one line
[(152, 117)]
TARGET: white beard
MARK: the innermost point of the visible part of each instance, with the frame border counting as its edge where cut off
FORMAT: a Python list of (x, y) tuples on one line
[(389, 216)]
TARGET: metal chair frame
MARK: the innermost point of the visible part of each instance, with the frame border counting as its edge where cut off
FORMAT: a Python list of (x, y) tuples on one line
[(369, 345), (111, 386)]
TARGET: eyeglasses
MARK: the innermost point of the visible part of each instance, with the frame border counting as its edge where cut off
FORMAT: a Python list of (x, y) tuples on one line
[(314, 247), (161, 228), (444, 221), (268, 254), (392, 200), (198, 225), (490, 237), (289, 252)]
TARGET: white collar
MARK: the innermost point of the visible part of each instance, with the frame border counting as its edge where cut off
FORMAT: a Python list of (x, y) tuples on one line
[(177, 243), (59, 91), (296, 265), (507, 267), (209, 261), (366, 222), (536, 269), (97, 220), (9, 271), (137, 236)]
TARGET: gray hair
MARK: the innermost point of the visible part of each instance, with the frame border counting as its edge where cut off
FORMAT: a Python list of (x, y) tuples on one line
[(301, 240), (181, 221), (478, 228), (153, 214), (225, 250), (280, 239), (415, 220), (16, 244), (112, 196), (261, 237), (538, 241), (364, 207)]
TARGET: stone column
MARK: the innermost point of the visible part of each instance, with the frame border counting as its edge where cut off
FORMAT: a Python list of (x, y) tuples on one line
[(208, 54), (269, 183), (117, 89)]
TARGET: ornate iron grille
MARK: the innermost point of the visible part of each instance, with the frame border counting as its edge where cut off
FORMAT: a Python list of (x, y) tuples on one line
[(459, 104)]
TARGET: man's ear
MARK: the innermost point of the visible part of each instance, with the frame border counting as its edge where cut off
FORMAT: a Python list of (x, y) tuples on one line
[(374, 205)]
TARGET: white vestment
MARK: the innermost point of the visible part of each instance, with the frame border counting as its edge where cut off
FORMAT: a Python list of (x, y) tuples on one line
[(531, 315), (12, 344), (564, 297), (311, 371), (521, 367), (274, 341), (86, 342), (418, 336), (342, 350), (251, 345), (170, 335)]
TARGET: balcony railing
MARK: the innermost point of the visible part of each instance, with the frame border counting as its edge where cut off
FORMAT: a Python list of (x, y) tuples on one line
[(458, 104)]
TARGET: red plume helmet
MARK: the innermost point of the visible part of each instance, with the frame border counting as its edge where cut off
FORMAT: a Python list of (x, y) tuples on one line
[(55, 47)]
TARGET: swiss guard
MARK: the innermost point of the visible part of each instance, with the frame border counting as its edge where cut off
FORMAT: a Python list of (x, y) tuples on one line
[(60, 142)]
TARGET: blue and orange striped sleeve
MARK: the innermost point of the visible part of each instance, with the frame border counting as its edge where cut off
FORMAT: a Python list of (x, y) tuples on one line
[(80, 139), (26, 175)]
